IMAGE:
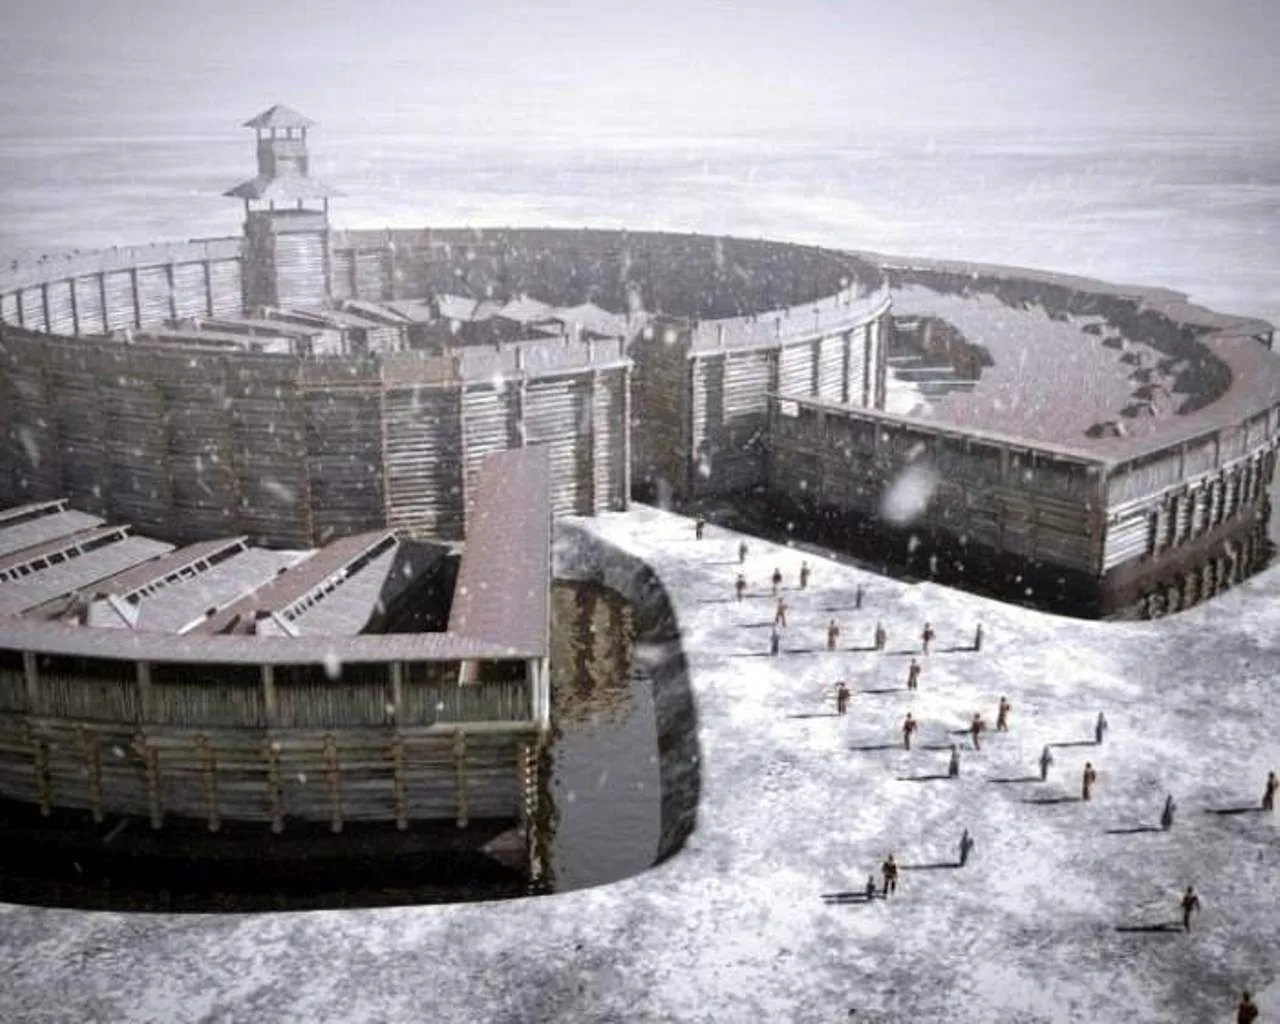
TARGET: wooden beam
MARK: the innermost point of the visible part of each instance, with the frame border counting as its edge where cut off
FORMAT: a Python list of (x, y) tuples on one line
[(333, 772), (209, 777), (271, 754), (397, 775), (460, 776), (93, 766), (40, 767)]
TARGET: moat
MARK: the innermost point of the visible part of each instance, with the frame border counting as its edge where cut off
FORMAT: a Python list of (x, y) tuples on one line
[(599, 818)]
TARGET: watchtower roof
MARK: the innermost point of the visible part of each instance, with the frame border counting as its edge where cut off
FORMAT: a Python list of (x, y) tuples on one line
[(286, 188), (279, 116)]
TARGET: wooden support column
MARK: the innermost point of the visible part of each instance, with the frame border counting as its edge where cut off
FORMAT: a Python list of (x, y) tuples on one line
[(626, 438), (75, 308), (44, 306), (269, 696), (102, 298), (397, 769), (173, 291), (17, 298), (460, 771), (137, 302), (333, 772), (207, 266), (40, 768), (397, 692), (93, 766), (146, 701), (151, 758), (209, 778), (592, 441), (31, 677), (271, 754)]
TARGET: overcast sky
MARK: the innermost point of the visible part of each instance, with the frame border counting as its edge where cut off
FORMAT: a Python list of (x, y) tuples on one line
[(647, 66)]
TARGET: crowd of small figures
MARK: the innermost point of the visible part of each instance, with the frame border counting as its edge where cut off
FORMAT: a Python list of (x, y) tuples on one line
[(1189, 902)]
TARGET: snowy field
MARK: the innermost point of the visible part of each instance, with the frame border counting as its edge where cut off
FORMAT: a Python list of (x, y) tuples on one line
[(797, 803)]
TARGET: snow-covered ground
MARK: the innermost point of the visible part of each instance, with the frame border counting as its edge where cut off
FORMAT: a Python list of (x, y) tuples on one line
[(735, 928)]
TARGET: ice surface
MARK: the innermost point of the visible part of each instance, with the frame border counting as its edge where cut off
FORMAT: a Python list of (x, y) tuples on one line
[(734, 927)]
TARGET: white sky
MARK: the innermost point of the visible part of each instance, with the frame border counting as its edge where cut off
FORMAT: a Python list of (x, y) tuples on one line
[(657, 67)]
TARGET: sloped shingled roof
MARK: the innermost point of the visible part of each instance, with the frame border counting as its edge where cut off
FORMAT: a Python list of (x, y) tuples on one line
[(284, 188), (279, 116)]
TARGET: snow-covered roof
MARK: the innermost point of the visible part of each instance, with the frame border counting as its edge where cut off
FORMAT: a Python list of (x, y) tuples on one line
[(279, 116)]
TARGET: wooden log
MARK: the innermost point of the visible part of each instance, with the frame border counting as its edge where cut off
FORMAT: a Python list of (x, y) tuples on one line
[(460, 762), (270, 752), (151, 757), (397, 760), (40, 766), (209, 776), (334, 775), (93, 766)]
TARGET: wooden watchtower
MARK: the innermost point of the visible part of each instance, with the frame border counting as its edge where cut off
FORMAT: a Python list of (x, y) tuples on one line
[(286, 217)]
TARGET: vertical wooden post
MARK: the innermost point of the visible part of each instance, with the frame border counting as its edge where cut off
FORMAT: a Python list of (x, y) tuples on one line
[(137, 302), (44, 305), (40, 767), (592, 407), (271, 754), (460, 770), (207, 266), (75, 308), (397, 768), (31, 677), (626, 438), (22, 317), (93, 765), (397, 692), (209, 777), (146, 703), (102, 298), (173, 291), (269, 696), (334, 773), (151, 758)]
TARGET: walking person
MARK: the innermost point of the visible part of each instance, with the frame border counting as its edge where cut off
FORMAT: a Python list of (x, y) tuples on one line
[(1046, 760), (742, 552), (913, 675), (909, 726), (975, 730), (1166, 816), (775, 641), (740, 586), (699, 525), (926, 638), (842, 698), (953, 767), (881, 637), (1247, 1011), (1087, 779), (833, 635), (977, 638), (857, 597), (966, 845), (890, 871), (804, 575), (1100, 728), (780, 616), (776, 579), (1269, 793), (1190, 905), (1002, 715)]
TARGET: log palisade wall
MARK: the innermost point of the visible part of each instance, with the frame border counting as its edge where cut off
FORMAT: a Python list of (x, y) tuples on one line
[(390, 742), (188, 444), (1196, 508)]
